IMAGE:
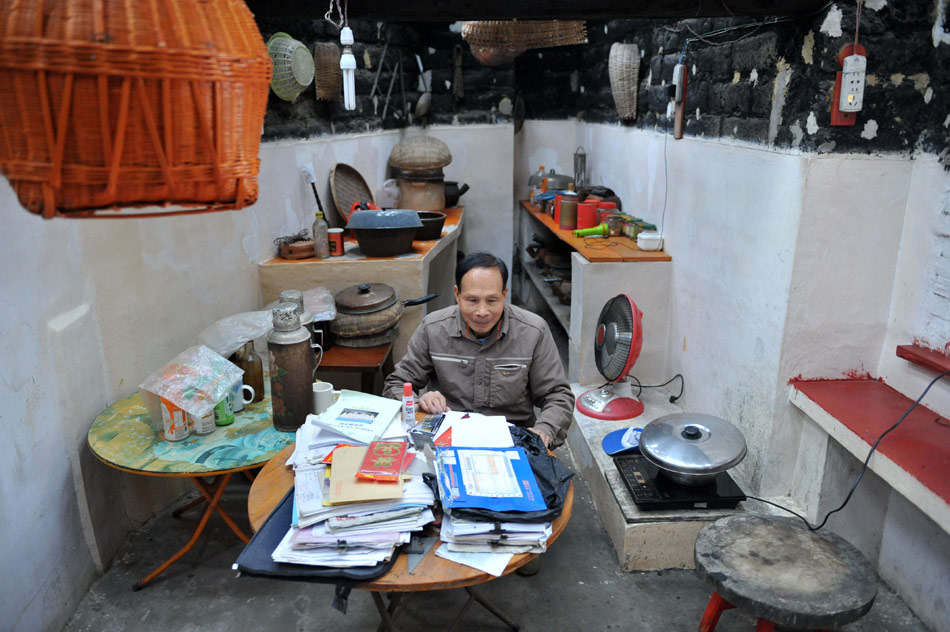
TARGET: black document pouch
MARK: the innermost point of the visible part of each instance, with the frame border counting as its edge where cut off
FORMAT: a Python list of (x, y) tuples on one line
[(256, 559)]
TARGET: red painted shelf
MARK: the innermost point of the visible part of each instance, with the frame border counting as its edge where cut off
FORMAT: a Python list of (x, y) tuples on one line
[(920, 445), (927, 358)]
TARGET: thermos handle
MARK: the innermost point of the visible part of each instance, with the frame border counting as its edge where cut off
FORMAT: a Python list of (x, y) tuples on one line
[(314, 345)]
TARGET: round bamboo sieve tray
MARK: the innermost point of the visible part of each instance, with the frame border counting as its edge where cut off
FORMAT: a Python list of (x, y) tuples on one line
[(107, 104), (524, 34)]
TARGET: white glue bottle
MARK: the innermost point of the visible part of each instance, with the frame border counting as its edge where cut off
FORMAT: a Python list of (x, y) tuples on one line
[(408, 406)]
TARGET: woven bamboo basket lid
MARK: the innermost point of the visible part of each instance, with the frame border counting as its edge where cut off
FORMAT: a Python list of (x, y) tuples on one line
[(524, 34), (420, 153), (118, 103), (347, 187)]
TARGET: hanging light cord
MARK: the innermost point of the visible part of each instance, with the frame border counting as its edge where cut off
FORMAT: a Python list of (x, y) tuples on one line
[(343, 14), (863, 468)]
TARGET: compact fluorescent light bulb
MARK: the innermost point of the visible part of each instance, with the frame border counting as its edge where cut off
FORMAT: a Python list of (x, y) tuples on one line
[(348, 66)]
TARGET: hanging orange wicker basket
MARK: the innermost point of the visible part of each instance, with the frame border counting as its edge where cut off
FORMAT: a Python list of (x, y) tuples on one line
[(106, 104)]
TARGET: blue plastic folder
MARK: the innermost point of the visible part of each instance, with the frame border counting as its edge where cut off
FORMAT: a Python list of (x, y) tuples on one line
[(499, 479)]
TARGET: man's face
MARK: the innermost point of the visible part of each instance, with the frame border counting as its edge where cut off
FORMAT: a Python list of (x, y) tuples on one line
[(481, 299)]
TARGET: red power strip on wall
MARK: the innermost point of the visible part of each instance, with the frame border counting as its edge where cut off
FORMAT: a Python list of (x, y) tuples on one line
[(837, 116)]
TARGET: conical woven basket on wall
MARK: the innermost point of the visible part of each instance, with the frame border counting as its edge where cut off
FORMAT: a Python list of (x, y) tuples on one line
[(624, 70), (119, 103)]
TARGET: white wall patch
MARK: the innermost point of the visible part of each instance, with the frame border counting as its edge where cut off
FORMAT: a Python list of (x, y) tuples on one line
[(940, 36), (736, 77), (928, 94), (870, 129), (797, 134), (812, 123), (808, 48), (61, 322), (754, 77), (875, 5), (832, 24)]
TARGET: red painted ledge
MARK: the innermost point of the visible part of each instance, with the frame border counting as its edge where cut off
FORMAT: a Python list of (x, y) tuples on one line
[(920, 445), (922, 356)]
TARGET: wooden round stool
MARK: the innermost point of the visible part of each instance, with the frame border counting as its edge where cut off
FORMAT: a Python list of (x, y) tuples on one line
[(779, 571)]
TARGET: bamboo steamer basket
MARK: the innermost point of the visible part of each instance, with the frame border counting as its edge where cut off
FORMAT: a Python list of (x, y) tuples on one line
[(120, 103)]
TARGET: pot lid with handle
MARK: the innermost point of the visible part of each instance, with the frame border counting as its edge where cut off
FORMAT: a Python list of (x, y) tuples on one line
[(365, 298), (692, 443)]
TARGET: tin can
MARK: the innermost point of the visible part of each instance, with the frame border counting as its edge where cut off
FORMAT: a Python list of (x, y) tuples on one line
[(202, 425), (223, 412), (174, 422)]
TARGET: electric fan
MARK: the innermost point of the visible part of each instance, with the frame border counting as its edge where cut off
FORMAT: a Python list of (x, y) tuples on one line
[(617, 343)]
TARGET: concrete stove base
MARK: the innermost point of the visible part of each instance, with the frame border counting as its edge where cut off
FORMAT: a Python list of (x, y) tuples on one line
[(643, 540)]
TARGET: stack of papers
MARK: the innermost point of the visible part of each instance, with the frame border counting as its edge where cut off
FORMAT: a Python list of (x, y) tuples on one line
[(341, 520), (499, 479)]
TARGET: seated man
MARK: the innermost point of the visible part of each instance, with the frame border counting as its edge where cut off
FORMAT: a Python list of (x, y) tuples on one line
[(485, 356)]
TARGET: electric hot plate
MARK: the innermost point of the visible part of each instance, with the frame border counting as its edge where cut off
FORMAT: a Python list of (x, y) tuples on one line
[(653, 492)]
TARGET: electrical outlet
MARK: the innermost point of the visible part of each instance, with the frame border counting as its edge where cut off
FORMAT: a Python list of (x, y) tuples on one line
[(678, 71), (853, 71)]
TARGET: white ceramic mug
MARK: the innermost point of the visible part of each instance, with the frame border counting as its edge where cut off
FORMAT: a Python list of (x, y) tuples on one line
[(322, 396), (237, 396)]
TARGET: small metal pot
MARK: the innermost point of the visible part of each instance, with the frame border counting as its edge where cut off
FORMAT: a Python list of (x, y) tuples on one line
[(692, 448)]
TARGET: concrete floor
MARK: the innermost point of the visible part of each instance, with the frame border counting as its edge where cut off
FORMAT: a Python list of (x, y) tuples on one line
[(580, 587)]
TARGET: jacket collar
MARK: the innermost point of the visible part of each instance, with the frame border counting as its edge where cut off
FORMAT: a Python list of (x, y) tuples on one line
[(462, 329)]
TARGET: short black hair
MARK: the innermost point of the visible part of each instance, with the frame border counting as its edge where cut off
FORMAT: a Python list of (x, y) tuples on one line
[(481, 260)]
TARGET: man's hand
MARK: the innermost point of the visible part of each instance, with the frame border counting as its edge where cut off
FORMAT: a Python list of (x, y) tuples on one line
[(543, 435), (433, 402)]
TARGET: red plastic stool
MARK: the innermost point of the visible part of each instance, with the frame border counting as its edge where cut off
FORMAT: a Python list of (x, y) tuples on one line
[(777, 570)]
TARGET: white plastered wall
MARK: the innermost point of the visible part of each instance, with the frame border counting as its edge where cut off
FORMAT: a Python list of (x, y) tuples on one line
[(89, 308)]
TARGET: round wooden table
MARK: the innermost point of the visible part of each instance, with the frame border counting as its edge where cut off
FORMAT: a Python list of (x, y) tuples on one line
[(122, 437), (433, 573)]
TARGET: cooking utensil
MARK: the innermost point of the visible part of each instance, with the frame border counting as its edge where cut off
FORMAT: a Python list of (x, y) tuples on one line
[(425, 101), (370, 308), (453, 192), (692, 448), (432, 222), (384, 233)]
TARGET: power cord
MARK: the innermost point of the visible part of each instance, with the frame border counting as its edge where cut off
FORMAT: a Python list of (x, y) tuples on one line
[(863, 468), (673, 398)]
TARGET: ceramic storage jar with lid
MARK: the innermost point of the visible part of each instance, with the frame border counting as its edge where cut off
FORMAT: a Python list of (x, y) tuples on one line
[(417, 164)]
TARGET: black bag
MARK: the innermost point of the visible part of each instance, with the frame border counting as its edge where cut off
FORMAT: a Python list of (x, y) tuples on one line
[(554, 479), (256, 559)]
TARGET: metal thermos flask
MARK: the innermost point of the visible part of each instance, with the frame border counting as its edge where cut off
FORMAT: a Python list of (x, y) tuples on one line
[(290, 350)]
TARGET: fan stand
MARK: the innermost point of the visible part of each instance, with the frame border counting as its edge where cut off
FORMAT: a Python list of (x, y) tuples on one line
[(607, 404)]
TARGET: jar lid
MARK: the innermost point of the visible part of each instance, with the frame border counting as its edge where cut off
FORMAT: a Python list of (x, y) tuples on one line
[(420, 152), (692, 443), (603, 204)]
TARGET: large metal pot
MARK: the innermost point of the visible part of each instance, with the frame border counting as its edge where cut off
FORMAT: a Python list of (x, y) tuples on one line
[(692, 448), (368, 309), (384, 233)]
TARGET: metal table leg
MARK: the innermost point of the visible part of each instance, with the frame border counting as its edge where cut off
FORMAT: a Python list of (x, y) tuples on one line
[(212, 493)]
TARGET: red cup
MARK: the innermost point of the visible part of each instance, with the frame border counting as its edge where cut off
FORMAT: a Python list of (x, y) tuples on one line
[(557, 208), (586, 215)]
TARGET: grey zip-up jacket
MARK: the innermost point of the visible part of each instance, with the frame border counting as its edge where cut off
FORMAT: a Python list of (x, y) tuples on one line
[(516, 369)]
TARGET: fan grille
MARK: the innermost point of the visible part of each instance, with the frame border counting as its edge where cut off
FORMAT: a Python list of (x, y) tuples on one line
[(617, 337)]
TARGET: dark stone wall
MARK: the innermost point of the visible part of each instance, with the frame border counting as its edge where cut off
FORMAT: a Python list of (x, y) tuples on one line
[(733, 88), (903, 64), (485, 87)]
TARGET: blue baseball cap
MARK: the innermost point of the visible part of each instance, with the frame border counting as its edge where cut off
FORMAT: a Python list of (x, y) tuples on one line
[(623, 440)]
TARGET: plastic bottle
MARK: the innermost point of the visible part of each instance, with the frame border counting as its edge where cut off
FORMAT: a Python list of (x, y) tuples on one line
[(535, 182), (321, 238), (408, 406)]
